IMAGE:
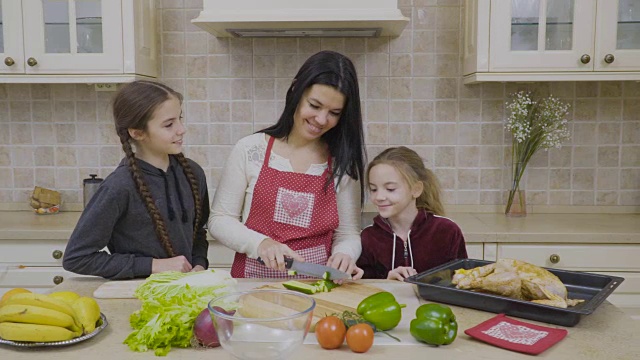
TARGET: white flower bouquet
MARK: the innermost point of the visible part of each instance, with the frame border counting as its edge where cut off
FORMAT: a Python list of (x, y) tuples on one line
[(534, 125)]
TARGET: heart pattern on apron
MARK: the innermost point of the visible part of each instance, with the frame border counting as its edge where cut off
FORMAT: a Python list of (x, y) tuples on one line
[(294, 205)]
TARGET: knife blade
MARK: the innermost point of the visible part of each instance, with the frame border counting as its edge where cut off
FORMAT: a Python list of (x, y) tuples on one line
[(311, 269)]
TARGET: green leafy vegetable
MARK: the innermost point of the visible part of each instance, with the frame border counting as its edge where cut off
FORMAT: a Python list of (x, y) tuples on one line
[(171, 301)]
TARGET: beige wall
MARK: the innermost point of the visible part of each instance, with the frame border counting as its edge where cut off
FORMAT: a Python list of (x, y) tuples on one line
[(412, 92)]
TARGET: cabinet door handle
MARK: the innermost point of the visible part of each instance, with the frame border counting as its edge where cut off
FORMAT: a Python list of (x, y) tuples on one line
[(58, 279), (585, 59), (57, 254), (554, 258), (9, 61), (609, 58), (32, 62)]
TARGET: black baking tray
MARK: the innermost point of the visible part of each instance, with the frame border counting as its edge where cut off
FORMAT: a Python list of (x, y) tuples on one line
[(435, 285)]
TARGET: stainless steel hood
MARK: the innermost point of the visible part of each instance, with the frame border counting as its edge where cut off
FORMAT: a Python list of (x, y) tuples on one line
[(301, 18)]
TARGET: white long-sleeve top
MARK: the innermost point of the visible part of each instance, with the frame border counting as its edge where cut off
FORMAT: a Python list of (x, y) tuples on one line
[(232, 200)]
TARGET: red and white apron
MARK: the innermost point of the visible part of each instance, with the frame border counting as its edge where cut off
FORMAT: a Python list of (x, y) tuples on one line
[(294, 209)]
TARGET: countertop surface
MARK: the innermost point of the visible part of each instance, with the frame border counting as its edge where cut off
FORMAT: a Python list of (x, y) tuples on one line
[(608, 333), (477, 227)]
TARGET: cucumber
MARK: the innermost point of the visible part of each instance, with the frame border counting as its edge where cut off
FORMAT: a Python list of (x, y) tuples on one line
[(292, 273), (294, 285), (310, 289), (327, 284)]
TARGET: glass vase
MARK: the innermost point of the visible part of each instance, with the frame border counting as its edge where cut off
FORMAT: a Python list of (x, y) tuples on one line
[(516, 204)]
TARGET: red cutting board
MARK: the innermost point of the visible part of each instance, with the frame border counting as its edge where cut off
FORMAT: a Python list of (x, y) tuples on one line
[(344, 297)]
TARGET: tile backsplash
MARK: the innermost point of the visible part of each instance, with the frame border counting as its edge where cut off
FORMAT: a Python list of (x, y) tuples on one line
[(54, 135)]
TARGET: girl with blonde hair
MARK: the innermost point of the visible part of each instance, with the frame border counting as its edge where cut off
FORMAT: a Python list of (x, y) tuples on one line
[(410, 233)]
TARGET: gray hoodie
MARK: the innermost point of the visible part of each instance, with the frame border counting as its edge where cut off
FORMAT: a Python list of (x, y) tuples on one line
[(117, 218)]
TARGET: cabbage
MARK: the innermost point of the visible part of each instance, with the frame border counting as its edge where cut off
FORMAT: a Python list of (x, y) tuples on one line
[(171, 301)]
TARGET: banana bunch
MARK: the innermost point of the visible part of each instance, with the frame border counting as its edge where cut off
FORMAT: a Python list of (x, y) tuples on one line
[(46, 318)]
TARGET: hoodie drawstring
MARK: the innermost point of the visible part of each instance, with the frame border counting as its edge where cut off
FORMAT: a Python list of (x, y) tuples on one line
[(409, 245), (172, 213), (393, 253), (170, 210), (183, 211)]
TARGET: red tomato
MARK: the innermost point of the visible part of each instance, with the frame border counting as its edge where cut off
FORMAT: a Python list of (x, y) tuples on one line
[(330, 332), (360, 338)]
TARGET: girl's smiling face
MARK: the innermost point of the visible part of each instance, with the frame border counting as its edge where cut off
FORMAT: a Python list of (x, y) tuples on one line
[(390, 192), (318, 111), (163, 134)]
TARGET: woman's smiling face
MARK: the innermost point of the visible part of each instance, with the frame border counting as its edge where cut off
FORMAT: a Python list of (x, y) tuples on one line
[(319, 111)]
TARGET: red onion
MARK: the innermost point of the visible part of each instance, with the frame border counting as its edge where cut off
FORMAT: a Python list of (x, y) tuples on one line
[(205, 332)]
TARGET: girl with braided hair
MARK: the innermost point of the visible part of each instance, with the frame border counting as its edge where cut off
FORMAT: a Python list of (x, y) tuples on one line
[(150, 211)]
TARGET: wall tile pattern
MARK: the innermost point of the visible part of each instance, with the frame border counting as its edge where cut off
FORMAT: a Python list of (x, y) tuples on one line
[(412, 94)]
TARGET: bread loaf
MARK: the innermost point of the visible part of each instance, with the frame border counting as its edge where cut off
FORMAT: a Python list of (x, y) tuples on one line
[(44, 198)]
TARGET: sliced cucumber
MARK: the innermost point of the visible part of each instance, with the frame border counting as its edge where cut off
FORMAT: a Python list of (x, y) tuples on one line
[(294, 285), (292, 273)]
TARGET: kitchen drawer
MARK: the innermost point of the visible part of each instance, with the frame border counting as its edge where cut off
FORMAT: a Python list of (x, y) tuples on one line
[(475, 251), (219, 255), (593, 257), (32, 252), (35, 278)]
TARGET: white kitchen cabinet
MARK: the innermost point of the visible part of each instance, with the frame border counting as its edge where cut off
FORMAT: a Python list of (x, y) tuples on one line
[(475, 251), (220, 256), (612, 259), (544, 40), (37, 264), (77, 41), (31, 264)]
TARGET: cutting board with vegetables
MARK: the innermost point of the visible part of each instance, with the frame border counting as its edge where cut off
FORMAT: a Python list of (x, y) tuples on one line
[(342, 298)]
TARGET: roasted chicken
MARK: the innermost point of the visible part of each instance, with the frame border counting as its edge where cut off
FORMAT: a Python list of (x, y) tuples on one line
[(515, 279)]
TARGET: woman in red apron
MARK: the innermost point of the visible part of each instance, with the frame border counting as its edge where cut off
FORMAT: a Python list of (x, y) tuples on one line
[(295, 188)]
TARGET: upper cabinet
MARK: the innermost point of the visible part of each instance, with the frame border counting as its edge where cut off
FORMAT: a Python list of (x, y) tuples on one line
[(77, 41), (551, 40)]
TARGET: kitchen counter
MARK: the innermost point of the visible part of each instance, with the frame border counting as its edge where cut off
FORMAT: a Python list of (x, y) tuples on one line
[(608, 333), (477, 227)]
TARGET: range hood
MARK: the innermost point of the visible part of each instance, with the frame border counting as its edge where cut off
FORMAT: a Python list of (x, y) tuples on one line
[(301, 18)]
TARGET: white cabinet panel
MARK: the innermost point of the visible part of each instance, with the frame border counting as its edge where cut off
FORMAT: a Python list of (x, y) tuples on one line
[(32, 252), (11, 49), (219, 255), (78, 41), (551, 40), (38, 278), (592, 257), (475, 251)]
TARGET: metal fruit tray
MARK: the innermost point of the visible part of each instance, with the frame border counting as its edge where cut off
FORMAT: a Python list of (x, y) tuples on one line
[(102, 323), (435, 285)]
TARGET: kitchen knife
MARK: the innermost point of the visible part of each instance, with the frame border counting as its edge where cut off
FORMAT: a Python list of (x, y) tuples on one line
[(311, 269)]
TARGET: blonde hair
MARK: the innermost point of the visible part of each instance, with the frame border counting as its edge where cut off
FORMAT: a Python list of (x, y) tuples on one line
[(410, 165)]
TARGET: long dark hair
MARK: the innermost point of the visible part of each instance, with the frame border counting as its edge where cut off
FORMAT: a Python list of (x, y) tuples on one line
[(346, 140), (133, 107)]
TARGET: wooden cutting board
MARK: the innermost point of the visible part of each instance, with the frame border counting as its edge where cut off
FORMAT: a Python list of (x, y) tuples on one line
[(117, 289), (342, 298)]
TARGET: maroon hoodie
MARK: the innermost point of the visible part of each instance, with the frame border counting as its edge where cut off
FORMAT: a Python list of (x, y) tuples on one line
[(433, 240)]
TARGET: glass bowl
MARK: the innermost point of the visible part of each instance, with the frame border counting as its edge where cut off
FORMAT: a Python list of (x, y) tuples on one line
[(266, 324)]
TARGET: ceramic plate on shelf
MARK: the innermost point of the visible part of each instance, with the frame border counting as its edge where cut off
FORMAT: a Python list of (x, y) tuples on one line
[(102, 324)]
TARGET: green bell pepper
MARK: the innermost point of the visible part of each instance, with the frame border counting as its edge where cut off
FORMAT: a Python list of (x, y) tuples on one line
[(382, 310), (434, 324)]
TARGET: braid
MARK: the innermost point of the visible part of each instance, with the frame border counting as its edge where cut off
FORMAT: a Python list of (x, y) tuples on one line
[(159, 225), (195, 190)]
